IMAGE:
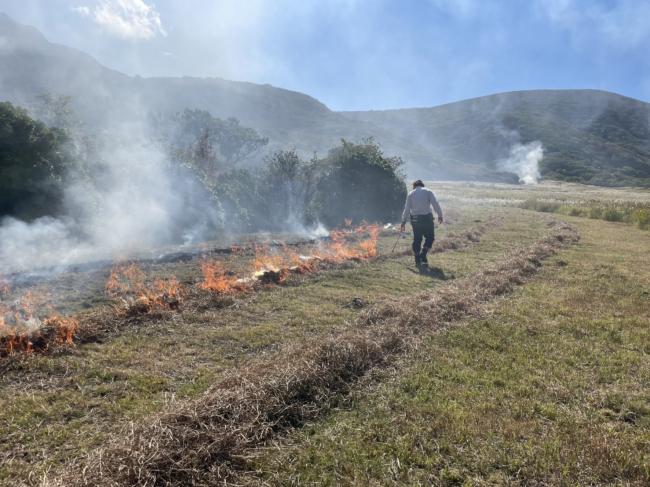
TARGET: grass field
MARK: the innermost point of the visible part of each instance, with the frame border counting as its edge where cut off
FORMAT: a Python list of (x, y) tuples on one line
[(546, 385), (551, 386)]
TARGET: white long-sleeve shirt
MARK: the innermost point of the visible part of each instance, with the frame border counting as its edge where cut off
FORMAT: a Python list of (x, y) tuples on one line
[(419, 202)]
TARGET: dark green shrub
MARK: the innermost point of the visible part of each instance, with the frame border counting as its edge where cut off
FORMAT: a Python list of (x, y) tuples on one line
[(596, 213), (613, 215), (642, 218), (360, 183), (287, 190), (543, 206), (236, 193), (32, 164)]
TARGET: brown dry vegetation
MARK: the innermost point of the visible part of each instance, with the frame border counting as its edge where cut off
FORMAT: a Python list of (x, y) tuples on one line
[(55, 407), (154, 301), (290, 386), (296, 385)]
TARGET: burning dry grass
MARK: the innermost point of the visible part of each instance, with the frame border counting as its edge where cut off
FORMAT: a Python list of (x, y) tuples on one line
[(274, 266), (220, 286), (29, 324), (217, 279), (128, 284), (204, 441), (135, 295)]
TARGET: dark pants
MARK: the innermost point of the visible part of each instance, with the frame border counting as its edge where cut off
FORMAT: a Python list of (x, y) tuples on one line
[(422, 228)]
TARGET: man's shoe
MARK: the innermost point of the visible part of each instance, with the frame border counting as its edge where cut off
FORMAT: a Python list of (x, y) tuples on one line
[(423, 259), (418, 261)]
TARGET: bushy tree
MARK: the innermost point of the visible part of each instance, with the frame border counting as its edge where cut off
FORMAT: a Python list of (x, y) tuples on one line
[(360, 183), (236, 142), (32, 164), (55, 111), (288, 189), (237, 194), (207, 144), (354, 181)]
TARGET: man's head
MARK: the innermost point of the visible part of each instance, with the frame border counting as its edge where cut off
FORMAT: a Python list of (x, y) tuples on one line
[(418, 183)]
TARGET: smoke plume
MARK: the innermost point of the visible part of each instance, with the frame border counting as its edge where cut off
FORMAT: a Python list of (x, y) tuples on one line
[(524, 161), (135, 200)]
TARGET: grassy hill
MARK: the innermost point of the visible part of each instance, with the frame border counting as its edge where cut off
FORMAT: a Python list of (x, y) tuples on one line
[(588, 136), (30, 66)]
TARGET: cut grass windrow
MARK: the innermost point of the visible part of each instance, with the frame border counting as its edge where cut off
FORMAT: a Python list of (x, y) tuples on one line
[(203, 441)]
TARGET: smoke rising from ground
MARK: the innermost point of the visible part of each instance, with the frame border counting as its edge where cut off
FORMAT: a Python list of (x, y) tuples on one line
[(133, 201), (524, 161)]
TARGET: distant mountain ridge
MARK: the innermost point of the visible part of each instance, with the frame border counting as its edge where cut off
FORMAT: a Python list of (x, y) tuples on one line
[(588, 136)]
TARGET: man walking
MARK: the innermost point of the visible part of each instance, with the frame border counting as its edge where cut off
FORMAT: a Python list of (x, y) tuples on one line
[(418, 207)]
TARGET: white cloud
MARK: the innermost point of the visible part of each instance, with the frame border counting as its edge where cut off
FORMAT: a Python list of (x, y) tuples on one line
[(126, 19), (621, 24)]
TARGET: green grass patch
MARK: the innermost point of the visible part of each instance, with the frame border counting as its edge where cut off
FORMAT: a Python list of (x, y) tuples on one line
[(54, 408), (549, 388), (630, 212)]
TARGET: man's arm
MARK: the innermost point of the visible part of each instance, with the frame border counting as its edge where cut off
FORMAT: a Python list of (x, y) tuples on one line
[(436, 207), (407, 211)]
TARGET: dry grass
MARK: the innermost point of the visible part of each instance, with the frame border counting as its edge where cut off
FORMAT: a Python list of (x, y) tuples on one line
[(59, 406), (464, 295), (106, 320), (205, 440)]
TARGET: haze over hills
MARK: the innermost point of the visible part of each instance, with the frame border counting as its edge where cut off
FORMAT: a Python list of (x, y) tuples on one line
[(30, 66), (587, 136)]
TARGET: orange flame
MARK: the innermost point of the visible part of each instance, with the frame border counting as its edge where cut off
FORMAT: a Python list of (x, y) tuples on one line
[(217, 280), (340, 248), (301, 264), (22, 330), (355, 243), (368, 247), (267, 261), (65, 328), (129, 282), (125, 279)]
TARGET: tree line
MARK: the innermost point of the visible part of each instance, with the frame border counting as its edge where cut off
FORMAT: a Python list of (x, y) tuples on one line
[(40, 157)]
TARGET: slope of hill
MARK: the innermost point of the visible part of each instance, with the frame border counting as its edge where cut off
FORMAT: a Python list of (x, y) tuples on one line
[(31, 66), (588, 136)]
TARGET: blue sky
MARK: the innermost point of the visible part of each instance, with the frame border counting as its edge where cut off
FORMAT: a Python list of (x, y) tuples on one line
[(364, 54)]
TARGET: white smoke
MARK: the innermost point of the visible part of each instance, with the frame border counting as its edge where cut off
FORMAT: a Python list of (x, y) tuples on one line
[(133, 202), (524, 161)]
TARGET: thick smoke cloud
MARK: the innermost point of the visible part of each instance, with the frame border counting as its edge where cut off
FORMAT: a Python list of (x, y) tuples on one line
[(134, 201), (524, 161)]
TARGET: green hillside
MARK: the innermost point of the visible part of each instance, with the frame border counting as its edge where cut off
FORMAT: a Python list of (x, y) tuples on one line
[(588, 136)]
